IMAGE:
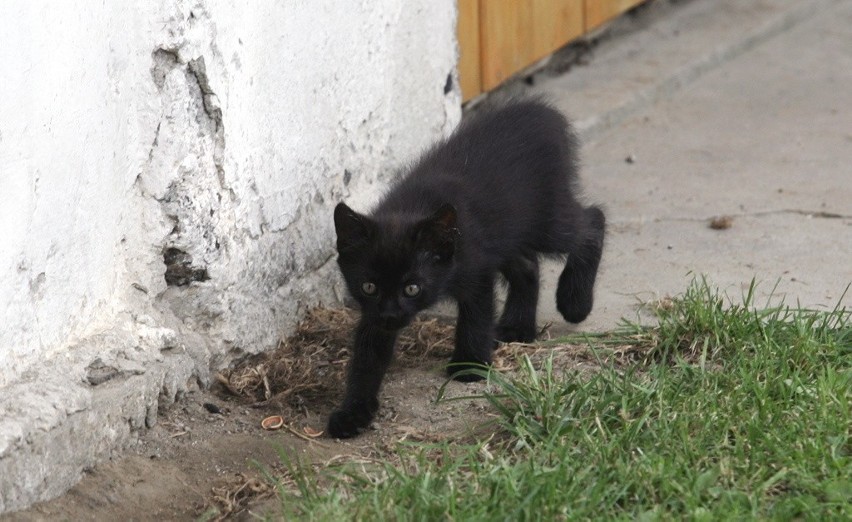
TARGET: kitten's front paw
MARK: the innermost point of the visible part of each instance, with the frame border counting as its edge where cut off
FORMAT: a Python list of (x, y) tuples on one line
[(575, 308), (467, 371), (345, 424)]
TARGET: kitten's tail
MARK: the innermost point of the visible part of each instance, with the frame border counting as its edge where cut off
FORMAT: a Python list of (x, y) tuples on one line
[(575, 292)]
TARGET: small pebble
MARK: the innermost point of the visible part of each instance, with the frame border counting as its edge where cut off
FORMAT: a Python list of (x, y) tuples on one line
[(212, 408), (721, 222), (631, 159)]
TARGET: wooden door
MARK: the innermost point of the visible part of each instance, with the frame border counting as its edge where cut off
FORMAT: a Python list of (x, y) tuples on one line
[(515, 34), (599, 11), (498, 38)]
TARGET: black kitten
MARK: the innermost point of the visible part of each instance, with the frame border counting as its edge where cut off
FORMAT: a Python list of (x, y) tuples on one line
[(491, 198)]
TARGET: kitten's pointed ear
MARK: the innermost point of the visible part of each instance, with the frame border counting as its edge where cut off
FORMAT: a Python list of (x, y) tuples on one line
[(445, 217), (352, 228), (438, 233)]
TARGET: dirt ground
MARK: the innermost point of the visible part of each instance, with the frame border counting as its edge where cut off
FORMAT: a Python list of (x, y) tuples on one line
[(195, 463)]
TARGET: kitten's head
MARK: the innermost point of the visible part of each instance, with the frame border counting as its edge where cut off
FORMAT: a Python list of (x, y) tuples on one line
[(396, 266)]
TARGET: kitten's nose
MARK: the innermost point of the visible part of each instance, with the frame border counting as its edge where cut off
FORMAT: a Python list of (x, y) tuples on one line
[(392, 323), (387, 315), (388, 309), (391, 319)]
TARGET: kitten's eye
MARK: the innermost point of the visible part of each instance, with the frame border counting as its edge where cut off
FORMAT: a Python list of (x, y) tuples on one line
[(368, 288), (411, 290)]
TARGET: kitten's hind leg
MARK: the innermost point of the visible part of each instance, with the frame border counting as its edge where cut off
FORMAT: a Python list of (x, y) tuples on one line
[(474, 330), (575, 292), (517, 323)]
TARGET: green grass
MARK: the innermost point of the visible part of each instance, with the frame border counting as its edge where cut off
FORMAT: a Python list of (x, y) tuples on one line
[(735, 413)]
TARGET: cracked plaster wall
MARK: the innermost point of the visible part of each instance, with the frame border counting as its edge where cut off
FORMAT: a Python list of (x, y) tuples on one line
[(167, 174)]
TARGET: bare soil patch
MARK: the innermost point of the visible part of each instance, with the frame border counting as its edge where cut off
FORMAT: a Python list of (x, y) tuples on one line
[(206, 455)]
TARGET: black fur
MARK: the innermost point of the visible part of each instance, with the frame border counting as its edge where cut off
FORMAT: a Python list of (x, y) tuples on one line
[(490, 199)]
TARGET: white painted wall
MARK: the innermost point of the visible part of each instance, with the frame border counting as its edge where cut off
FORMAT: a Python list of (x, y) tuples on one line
[(75, 108), (90, 143), (225, 129)]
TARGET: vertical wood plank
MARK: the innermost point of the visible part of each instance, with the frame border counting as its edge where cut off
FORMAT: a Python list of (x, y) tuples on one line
[(555, 23), (514, 34), (467, 31), (503, 27), (600, 11)]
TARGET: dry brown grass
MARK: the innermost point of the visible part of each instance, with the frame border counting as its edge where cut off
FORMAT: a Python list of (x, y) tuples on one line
[(313, 360), (232, 498)]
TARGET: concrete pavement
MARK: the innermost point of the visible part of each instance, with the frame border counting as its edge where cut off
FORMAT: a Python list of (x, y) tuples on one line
[(741, 109)]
